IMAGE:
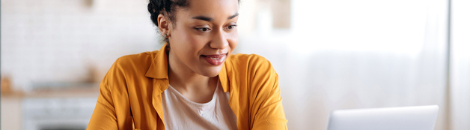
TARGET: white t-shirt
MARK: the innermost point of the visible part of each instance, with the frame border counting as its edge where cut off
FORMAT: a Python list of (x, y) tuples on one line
[(182, 114)]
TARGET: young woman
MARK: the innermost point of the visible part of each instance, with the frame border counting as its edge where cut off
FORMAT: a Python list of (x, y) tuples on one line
[(193, 81)]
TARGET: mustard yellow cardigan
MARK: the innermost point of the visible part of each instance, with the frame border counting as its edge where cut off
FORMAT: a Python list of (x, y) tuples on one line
[(130, 93)]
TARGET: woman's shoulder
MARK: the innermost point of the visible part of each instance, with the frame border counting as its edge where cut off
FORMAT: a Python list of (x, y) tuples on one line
[(250, 66), (133, 64), (255, 79), (249, 61), (139, 58), (136, 60)]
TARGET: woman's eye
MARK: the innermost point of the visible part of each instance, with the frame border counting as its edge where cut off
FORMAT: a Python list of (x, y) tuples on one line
[(203, 29), (230, 27)]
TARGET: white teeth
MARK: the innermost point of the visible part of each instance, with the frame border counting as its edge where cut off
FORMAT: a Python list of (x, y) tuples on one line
[(219, 59)]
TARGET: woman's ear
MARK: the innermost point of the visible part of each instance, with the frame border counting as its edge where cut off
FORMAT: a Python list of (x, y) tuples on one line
[(163, 25)]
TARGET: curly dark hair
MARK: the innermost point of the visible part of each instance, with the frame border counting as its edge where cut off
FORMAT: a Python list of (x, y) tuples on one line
[(165, 7)]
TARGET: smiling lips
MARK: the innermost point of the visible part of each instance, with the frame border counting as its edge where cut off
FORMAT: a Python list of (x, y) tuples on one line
[(215, 59)]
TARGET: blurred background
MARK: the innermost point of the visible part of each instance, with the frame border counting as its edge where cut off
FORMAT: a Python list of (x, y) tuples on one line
[(329, 54)]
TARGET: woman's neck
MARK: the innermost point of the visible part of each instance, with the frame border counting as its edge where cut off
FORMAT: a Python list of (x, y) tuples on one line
[(190, 84)]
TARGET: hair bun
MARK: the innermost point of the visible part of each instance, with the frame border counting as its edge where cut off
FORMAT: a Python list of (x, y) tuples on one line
[(154, 7)]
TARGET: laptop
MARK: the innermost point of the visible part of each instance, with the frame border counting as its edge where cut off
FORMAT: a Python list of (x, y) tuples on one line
[(398, 118)]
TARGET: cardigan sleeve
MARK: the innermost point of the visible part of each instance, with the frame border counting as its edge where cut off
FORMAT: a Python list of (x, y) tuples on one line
[(267, 104), (104, 115), (112, 110)]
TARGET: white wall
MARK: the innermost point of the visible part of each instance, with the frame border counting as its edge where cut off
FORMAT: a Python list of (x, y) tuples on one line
[(63, 40), (342, 54), (460, 65)]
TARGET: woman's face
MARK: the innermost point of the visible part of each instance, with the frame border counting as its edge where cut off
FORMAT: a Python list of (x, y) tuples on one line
[(203, 35)]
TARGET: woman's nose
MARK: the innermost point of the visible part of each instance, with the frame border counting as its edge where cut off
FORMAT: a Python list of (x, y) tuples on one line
[(219, 40)]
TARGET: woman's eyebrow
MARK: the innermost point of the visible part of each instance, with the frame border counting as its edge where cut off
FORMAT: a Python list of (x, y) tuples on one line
[(205, 18), (233, 16)]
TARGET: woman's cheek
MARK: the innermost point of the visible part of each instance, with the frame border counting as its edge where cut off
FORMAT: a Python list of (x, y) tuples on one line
[(233, 41), (197, 42), (194, 44)]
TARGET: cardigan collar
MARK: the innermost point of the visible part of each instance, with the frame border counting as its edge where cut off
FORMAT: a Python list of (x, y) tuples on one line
[(159, 69)]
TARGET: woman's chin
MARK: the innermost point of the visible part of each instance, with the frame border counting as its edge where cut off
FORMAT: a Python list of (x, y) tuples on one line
[(211, 71)]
